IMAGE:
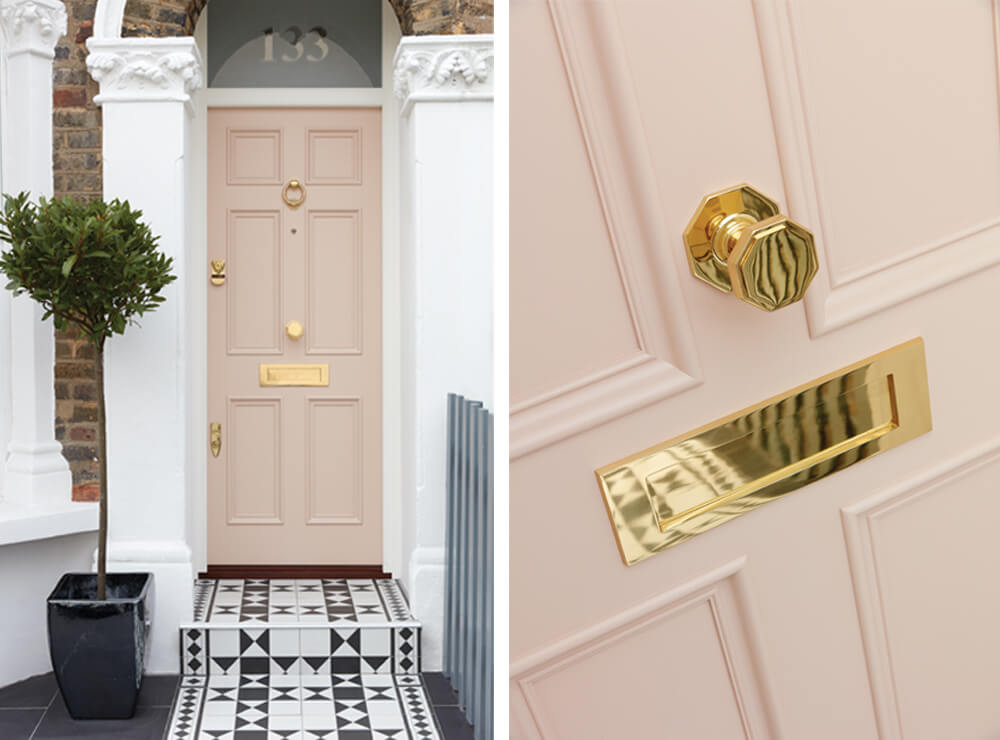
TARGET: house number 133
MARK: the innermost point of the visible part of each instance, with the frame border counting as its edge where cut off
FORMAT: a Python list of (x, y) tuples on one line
[(316, 37)]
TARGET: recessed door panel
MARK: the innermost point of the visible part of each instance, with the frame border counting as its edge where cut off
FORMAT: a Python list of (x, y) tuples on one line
[(253, 490), (334, 475), (333, 269), (254, 157), (254, 266), (334, 157)]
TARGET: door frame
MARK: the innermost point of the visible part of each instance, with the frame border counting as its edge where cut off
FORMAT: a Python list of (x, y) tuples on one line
[(197, 256)]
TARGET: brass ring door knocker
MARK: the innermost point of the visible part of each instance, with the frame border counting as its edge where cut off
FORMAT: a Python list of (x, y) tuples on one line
[(293, 184)]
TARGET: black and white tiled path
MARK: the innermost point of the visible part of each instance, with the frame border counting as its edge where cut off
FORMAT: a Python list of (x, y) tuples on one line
[(332, 707), (311, 659), (33, 710)]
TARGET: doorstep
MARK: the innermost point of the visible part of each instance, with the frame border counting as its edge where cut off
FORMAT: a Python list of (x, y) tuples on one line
[(301, 659), (300, 627)]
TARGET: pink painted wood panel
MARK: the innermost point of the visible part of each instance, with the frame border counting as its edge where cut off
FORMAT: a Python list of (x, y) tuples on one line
[(254, 481), (254, 267), (335, 282), (624, 113), (335, 481), (333, 157), (253, 157), (298, 480), (575, 250), (628, 702), (937, 127)]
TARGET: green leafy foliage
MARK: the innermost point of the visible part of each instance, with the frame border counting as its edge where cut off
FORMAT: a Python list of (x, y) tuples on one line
[(95, 265)]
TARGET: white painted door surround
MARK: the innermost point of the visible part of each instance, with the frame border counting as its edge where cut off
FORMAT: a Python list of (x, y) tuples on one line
[(150, 148), (864, 605)]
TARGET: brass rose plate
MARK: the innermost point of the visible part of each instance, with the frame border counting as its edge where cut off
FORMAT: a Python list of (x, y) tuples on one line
[(669, 493)]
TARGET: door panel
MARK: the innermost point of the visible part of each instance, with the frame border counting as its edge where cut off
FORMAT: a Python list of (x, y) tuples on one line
[(854, 118), (253, 307), (298, 477), (334, 266), (254, 482)]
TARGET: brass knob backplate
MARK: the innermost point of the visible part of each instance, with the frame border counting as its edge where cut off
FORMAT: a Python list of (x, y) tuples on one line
[(739, 242)]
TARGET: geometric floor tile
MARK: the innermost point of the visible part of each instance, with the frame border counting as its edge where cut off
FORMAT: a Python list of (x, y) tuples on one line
[(355, 706), (326, 601), (293, 627)]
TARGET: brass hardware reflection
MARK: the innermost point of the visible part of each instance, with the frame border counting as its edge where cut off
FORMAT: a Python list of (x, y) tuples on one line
[(293, 184), (218, 274), (739, 243), (669, 493), (215, 438), (294, 329), (294, 375)]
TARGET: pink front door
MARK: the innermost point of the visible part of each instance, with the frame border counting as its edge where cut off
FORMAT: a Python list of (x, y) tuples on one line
[(294, 337), (863, 605)]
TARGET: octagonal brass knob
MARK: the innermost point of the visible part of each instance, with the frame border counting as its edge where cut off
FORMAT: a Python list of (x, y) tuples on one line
[(294, 330), (739, 242)]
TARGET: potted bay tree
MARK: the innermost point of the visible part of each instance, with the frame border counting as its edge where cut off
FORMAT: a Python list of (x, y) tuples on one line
[(94, 266)]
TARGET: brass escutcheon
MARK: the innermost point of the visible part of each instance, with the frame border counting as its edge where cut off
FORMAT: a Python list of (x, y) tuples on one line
[(218, 273)]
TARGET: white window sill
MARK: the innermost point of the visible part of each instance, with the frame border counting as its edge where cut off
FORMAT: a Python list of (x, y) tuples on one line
[(20, 523)]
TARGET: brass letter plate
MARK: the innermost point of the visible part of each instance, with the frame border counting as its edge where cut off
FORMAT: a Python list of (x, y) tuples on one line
[(294, 375), (685, 486)]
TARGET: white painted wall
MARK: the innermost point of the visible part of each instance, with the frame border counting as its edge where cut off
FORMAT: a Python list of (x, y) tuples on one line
[(5, 296), (35, 470), (445, 83), (145, 99), (28, 573), (40, 527)]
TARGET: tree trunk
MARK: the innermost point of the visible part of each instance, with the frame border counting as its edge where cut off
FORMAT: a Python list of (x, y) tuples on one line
[(102, 451)]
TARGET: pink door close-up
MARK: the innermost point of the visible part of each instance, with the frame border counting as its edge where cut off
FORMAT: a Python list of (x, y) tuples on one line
[(862, 605), (294, 337)]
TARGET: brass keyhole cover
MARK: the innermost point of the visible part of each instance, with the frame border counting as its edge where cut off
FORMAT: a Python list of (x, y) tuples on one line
[(739, 243), (295, 185), (218, 274)]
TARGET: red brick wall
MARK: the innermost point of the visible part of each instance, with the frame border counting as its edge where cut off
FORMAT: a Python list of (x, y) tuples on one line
[(76, 144), (76, 159)]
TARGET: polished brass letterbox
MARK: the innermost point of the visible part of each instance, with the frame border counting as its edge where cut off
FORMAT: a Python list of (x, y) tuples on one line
[(294, 375), (666, 494)]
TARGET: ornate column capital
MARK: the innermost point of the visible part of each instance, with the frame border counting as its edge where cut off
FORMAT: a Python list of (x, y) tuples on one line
[(144, 69), (443, 68), (33, 26)]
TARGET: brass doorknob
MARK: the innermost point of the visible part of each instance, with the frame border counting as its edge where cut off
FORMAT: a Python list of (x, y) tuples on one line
[(739, 242), (294, 329)]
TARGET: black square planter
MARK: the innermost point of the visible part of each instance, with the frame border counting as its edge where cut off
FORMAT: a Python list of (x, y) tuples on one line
[(98, 648)]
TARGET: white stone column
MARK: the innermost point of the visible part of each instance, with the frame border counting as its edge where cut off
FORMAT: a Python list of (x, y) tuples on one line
[(146, 86), (35, 472), (445, 84)]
